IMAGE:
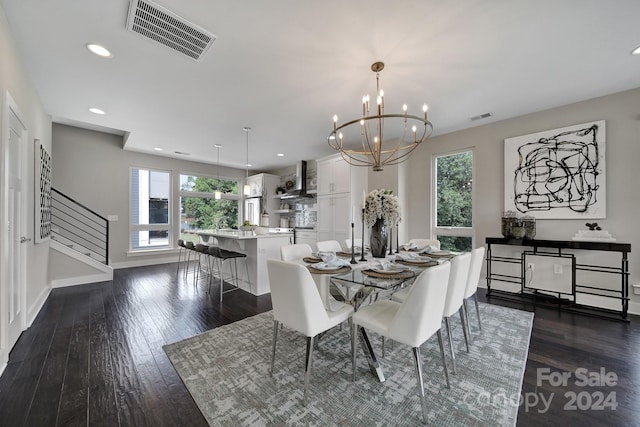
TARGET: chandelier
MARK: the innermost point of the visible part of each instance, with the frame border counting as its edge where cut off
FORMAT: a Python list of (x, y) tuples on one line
[(372, 147)]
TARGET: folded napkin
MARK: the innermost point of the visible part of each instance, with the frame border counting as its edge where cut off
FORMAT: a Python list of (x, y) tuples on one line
[(382, 264), (329, 265), (431, 249), (327, 256), (412, 247)]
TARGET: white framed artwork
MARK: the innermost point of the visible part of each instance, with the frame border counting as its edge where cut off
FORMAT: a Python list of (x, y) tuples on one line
[(42, 181), (558, 173)]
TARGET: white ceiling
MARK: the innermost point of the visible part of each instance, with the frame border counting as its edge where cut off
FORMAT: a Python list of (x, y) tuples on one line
[(286, 67)]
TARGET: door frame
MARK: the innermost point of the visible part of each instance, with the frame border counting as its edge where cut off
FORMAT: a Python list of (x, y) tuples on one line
[(10, 107)]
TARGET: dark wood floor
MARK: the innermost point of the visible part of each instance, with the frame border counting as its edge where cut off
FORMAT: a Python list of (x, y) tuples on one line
[(94, 357)]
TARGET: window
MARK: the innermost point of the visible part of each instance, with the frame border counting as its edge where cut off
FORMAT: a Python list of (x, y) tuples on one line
[(453, 207), (200, 210), (150, 207)]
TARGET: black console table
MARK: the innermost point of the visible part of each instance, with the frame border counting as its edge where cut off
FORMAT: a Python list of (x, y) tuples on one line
[(555, 248)]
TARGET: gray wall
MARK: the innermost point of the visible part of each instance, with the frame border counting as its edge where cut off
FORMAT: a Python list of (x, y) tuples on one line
[(15, 81), (622, 114), (92, 168)]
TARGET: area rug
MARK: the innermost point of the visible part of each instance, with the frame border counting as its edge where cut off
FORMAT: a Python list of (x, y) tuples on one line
[(226, 370)]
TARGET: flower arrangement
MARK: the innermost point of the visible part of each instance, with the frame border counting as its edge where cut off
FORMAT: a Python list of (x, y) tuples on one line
[(382, 204)]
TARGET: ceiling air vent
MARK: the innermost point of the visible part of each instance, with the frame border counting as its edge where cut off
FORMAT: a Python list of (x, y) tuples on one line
[(165, 27), (480, 116)]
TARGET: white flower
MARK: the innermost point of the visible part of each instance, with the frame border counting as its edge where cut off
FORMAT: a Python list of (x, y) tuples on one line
[(382, 204)]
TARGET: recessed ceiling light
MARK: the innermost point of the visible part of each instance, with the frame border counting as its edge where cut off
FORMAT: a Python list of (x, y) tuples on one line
[(217, 145), (158, 148), (99, 50), (96, 110), (636, 51), (280, 155), (249, 165)]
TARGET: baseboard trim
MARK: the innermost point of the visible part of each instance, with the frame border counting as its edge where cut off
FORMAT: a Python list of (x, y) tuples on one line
[(145, 262), (37, 305), (81, 280)]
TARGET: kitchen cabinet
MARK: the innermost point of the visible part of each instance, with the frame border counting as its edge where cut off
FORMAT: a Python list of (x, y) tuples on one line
[(267, 183), (334, 176), (334, 217), (340, 189)]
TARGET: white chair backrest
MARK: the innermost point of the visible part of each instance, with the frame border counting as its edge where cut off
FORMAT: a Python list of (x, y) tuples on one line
[(457, 283), (425, 242), (297, 251), (295, 298), (356, 242), (329, 246), (475, 267), (421, 313)]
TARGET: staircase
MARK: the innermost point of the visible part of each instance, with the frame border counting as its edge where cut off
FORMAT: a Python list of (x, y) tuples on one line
[(80, 238)]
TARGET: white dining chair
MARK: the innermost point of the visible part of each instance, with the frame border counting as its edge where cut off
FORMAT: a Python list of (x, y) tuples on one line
[(455, 295), (411, 323), (475, 267), (297, 304), (329, 246), (295, 252)]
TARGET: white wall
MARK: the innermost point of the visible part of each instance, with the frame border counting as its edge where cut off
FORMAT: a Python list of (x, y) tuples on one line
[(622, 114), (92, 168), (14, 79)]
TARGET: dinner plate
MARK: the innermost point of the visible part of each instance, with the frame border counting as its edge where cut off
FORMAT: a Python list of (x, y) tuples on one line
[(392, 271), (325, 267), (418, 261)]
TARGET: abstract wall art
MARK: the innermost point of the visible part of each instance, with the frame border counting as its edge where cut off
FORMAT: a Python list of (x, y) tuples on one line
[(42, 181), (557, 174)]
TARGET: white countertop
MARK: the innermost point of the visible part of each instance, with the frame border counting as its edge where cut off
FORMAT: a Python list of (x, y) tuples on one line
[(237, 234)]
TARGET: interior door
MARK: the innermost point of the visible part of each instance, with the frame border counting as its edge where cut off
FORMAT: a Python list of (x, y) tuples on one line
[(13, 289)]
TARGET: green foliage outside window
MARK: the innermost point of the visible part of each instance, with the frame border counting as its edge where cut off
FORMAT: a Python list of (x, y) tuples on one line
[(454, 197), (206, 212)]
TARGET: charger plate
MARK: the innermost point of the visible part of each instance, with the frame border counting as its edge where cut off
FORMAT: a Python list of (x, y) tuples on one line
[(312, 259), (344, 269), (416, 263), (405, 274)]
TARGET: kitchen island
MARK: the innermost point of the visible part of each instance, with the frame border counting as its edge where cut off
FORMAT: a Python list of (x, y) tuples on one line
[(258, 249)]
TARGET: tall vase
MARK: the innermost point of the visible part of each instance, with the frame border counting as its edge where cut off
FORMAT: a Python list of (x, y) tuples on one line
[(379, 238)]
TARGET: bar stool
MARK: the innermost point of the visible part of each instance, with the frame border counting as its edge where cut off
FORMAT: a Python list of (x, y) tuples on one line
[(201, 250), (182, 247), (222, 255), (191, 248)]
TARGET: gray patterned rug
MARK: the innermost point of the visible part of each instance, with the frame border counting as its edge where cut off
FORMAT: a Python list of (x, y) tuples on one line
[(226, 370)]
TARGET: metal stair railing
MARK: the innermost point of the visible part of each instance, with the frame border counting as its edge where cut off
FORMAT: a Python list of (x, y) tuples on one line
[(85, 230)]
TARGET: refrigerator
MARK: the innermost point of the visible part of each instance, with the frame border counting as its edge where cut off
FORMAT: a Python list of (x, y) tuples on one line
[(252, 210)]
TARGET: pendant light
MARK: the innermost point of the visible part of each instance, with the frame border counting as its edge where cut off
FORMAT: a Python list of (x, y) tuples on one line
[(218, 194), (247, 189)]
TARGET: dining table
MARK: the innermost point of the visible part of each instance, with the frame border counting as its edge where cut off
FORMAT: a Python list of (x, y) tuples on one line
[(365, 282)]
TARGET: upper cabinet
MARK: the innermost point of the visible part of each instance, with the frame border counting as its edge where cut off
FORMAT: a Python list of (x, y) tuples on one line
[(263, 181), (334, 176)]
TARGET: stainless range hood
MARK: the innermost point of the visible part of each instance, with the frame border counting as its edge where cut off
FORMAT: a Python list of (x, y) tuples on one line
[(300, 187)]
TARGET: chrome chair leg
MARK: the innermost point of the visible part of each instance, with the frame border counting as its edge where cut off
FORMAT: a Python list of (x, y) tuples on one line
[(464, 327), (444, 360), (475, 299), (353, 350), (307, 368), (273, 349), (423, 402), (453, 355)]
